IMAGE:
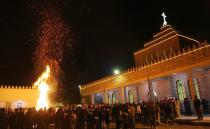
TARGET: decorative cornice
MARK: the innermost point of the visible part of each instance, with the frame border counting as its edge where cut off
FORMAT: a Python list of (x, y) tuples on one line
[(144, 49)]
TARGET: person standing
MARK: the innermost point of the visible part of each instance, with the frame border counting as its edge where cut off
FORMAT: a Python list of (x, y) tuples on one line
[(177, 108), (204, 104), (197, 106), (107, 116), (187, 107), (132, 113)]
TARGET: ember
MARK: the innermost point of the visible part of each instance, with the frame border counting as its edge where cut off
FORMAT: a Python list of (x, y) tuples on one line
[(52, 40)]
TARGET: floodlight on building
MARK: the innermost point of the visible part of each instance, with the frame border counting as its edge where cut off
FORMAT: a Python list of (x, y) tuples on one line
[(155, 94), (79, 87), (116, 71)]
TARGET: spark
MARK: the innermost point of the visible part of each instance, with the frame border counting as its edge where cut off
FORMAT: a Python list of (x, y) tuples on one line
[(53, 39)]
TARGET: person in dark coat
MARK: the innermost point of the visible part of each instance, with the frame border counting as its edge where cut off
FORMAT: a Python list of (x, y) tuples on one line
[(81, 116), (107, 117), (20, 119), (4, 119), (197, 106), (59, 118), (205, 106), (90, 119), (187, 107)]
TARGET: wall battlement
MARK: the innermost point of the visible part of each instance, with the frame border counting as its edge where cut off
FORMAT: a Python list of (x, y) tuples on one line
[(16, 87), (201, 48)]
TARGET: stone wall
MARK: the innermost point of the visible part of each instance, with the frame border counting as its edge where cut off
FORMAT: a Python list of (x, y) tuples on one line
[(176, 62), (12, 94), (161, 87), (143, 90)]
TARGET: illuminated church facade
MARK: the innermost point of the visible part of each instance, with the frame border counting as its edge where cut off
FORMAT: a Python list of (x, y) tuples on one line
[(18, 96), (169, 65)]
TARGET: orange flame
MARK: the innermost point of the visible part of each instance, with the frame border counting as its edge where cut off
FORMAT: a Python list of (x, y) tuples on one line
[(43, 87)]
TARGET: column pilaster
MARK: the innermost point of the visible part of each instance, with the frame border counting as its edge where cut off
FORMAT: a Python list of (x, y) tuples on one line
[(190, 84), (92, 98)]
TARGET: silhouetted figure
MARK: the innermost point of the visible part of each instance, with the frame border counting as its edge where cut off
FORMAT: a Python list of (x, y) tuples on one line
[(59, 119), (90, 119), (12, 120), (20, 119), (28, 120), (187, 107), (107, 117), (205, 106), (197, 106), (80, 118), (4, 119)]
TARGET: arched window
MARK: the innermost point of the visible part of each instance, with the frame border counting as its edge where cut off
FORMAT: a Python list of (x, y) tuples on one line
[(130, 96), (195, 81), (113, 97), (98, 99), (19, 104), (180, 90)]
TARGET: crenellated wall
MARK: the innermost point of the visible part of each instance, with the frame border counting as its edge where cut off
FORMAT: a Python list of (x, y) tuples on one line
[(175, 61), (11, 95), (168, 57)]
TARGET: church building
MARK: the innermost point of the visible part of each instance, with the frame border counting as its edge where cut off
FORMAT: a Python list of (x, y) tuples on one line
[(171, 64)]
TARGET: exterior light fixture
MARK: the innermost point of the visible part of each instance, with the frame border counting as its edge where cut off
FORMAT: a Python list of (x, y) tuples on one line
[(116, 72), (79, 87)]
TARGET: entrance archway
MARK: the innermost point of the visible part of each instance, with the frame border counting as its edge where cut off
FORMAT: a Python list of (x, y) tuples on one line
[(98, 99)]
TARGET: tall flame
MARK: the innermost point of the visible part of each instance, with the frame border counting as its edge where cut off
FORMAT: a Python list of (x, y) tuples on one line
[(43, 87)]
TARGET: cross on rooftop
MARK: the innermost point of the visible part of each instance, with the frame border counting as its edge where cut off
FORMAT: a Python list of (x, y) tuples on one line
[(164, 19)]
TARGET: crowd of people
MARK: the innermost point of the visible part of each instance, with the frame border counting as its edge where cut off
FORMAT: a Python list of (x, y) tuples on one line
[(150, 113)]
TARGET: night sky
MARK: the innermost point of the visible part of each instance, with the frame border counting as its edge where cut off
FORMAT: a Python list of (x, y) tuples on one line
[(104, 35)]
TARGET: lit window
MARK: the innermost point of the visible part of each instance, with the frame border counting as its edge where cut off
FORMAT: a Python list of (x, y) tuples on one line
[(180, 90)]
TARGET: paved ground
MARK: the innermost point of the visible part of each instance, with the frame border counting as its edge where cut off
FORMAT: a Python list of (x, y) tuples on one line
[(184, 122), (191, 120), (194, 117), (139, 126)]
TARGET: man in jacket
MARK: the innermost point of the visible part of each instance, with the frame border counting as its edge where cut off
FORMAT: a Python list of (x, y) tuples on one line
[(197, 106)]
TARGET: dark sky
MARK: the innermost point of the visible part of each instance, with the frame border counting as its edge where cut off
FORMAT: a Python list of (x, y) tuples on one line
[(105, 33)]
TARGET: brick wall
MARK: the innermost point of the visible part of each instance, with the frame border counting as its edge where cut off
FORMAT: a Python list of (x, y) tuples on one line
[(203, 78), (183, 77), (162, 87), (207, 86), (172, 43), (143, 91)]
